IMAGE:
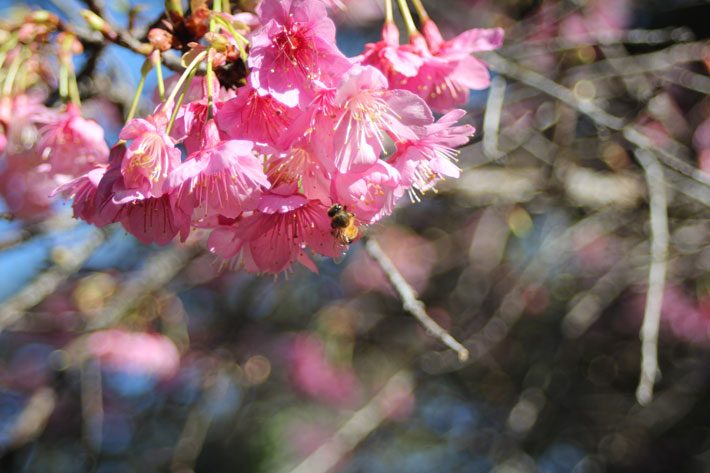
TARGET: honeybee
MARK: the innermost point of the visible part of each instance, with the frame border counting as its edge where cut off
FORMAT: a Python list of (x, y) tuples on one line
[(343, 224)]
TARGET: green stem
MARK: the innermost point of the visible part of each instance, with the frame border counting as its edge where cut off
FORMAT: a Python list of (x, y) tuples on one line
[(159, 74), (74, 89), (407, 15), (139, 89), (239, 38), (11, 43), (192, 66), (12, 72), (389, 16), (421, 11), (190, 76)]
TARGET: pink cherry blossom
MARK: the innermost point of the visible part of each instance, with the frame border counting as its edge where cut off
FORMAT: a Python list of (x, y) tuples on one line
[(72, 144), (294, 47), (149, 157), (277, 234), (149, 219), (255, 117), (430, 157), (393, 59), (301, 166), (223, 177), (83, 192), (369, 110), (370, 194), (448, 70)]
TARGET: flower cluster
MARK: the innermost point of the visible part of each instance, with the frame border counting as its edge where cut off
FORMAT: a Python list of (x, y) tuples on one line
[(287, 162)]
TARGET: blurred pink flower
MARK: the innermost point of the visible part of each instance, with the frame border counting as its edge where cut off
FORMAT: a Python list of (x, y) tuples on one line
[(135, 352), (72, 144), (681, 315), (314, 375)]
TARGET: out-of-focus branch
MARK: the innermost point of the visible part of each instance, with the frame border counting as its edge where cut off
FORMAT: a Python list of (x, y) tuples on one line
[(656, 276), (410, 303), (491, 120), (526, 49), (157, 271), (32, 420), (509, 68), (362, 423), (596, 113), (69, 262), (512, 306)]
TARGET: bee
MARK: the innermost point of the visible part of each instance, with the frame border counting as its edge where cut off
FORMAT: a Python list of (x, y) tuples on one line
[(343, 224)]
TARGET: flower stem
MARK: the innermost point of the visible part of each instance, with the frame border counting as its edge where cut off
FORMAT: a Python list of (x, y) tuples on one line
[(421, 11), (407, 15), (159, 74), (181, 98), (389, 17), (12, 72), (74, 88), (239, 38), (139, 89), (192, 66)]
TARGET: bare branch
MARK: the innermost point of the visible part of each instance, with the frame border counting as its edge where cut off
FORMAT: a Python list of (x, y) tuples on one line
[(656, 275), (411, 304)]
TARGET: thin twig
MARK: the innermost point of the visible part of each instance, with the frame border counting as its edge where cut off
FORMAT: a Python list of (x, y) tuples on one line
[(410, 303), (656, 275)]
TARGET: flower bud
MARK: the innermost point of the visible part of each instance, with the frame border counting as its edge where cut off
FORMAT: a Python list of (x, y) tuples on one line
[(160, 39), (97, 23), (218, 41)]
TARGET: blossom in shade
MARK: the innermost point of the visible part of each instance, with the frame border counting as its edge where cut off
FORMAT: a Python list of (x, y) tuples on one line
[(83, 192), (72, 144), (149, 157), (149, 219), (369, 111), (430, 157), (222, 177), (294, 47), (277, 234)]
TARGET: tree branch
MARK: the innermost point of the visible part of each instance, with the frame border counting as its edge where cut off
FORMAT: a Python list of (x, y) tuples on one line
[(409, 299), (656, 275)]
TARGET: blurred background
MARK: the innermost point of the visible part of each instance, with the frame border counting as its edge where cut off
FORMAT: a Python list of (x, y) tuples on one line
[(117, 357)]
